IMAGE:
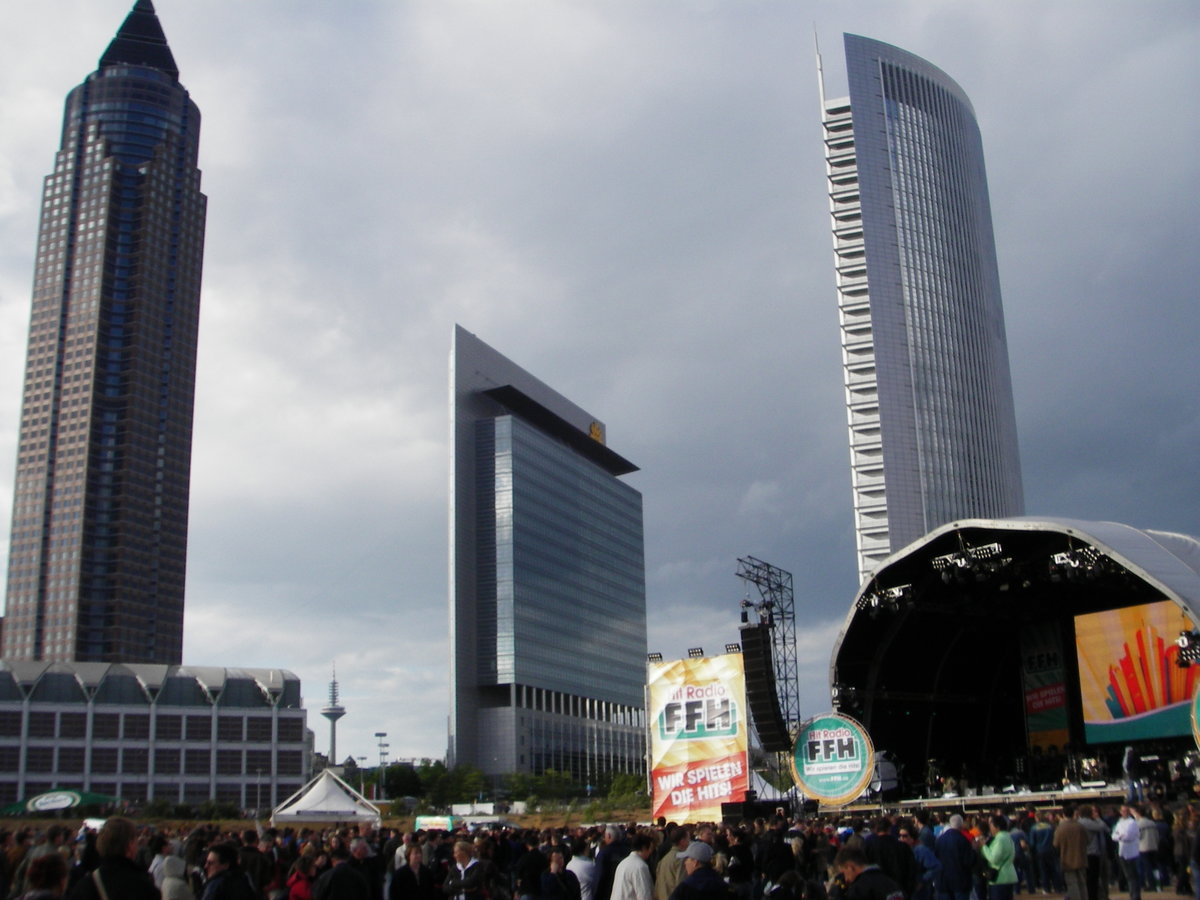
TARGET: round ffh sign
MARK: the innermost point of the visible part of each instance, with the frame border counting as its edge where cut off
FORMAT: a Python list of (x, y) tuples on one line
[(53, 801), (833, 759)]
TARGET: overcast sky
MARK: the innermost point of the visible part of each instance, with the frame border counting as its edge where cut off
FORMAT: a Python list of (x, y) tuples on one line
[(628, 200)]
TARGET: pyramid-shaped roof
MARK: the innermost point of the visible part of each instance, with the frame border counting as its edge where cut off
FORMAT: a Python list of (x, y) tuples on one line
[(141, 42)]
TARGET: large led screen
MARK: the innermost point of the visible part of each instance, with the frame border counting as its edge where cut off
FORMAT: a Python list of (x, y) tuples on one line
[(1129, 683)]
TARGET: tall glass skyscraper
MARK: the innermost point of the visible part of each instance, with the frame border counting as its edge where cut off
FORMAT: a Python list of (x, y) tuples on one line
[(933, 435), (547, 580), (99, 527)]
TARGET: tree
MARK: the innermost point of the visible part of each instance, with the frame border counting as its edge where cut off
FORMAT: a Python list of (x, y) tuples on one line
[(519, 785), (627, 786), (158, 808), (434, 782), (401, 780), (216, 809), (466, 783), (555, 785)]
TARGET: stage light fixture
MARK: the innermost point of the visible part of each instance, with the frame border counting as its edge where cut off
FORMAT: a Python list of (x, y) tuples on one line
[(843, 695), (886, 599), (972, 558), (870, 603), (970, 563), (654, 657), (1076, 563), (946, 560), (733, 648), (695, 652), (1189, 648)]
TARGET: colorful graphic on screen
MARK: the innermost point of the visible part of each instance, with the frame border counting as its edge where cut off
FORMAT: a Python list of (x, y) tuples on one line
[(1129, 683)]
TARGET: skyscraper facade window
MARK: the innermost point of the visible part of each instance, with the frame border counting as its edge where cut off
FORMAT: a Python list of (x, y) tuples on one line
[(99, 527), (547, 580), (933, 434)]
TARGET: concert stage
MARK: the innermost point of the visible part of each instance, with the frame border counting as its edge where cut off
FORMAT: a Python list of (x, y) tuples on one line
[(1024, 652), (1109, 795)]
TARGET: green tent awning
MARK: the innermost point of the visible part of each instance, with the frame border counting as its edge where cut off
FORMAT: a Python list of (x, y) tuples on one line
[(52, 801)]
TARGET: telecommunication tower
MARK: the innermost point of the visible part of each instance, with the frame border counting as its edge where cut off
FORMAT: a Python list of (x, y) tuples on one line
[(333, 711)]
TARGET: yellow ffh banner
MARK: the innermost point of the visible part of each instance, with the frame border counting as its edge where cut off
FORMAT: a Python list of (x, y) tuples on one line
[(697, 736)]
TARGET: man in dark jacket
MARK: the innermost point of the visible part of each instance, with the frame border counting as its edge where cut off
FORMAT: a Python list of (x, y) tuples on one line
[(741, 866), (613, 849), (529, 868), (367, 865), (895, 859), (864, 880), (341, 882), (559, 882), (226, 880), (256, 864), (957, 856), (700, 881), (120, 875)]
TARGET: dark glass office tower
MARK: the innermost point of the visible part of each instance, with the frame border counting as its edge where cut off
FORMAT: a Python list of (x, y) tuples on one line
[(547, 580), (99, 536)]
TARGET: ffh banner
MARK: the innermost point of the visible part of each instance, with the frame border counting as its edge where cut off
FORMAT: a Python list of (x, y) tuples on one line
[(697, 736)]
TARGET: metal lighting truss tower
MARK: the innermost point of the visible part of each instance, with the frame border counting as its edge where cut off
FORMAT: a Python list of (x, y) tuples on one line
[(776, 607)]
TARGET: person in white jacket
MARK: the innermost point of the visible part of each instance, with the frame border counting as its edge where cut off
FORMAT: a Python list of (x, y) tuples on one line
[(1126, 834), (584, 867), (632, 881)]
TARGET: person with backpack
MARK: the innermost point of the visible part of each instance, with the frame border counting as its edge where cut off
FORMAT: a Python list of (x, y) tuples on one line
[(118, 877)]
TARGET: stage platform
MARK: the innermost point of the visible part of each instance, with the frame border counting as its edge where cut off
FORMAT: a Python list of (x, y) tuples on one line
[(1107, 794)]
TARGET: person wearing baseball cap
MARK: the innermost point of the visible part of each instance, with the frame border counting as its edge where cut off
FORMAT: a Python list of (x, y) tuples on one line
[(700, 881)]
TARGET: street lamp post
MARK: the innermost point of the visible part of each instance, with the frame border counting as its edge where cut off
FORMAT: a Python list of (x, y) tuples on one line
[(380, 735)]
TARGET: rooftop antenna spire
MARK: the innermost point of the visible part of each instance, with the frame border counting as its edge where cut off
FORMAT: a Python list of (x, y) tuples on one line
[(820, 70), (333, 711)]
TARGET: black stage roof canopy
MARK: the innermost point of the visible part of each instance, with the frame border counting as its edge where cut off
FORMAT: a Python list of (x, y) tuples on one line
[(930, 656)]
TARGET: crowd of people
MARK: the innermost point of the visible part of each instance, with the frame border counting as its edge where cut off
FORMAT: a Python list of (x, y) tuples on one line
[(1079, 852)]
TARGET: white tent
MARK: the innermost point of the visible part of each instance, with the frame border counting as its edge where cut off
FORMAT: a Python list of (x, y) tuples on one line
[(326, 799)]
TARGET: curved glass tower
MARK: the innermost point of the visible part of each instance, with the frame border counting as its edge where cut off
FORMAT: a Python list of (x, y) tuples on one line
[(933, 434), (99, 529)]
